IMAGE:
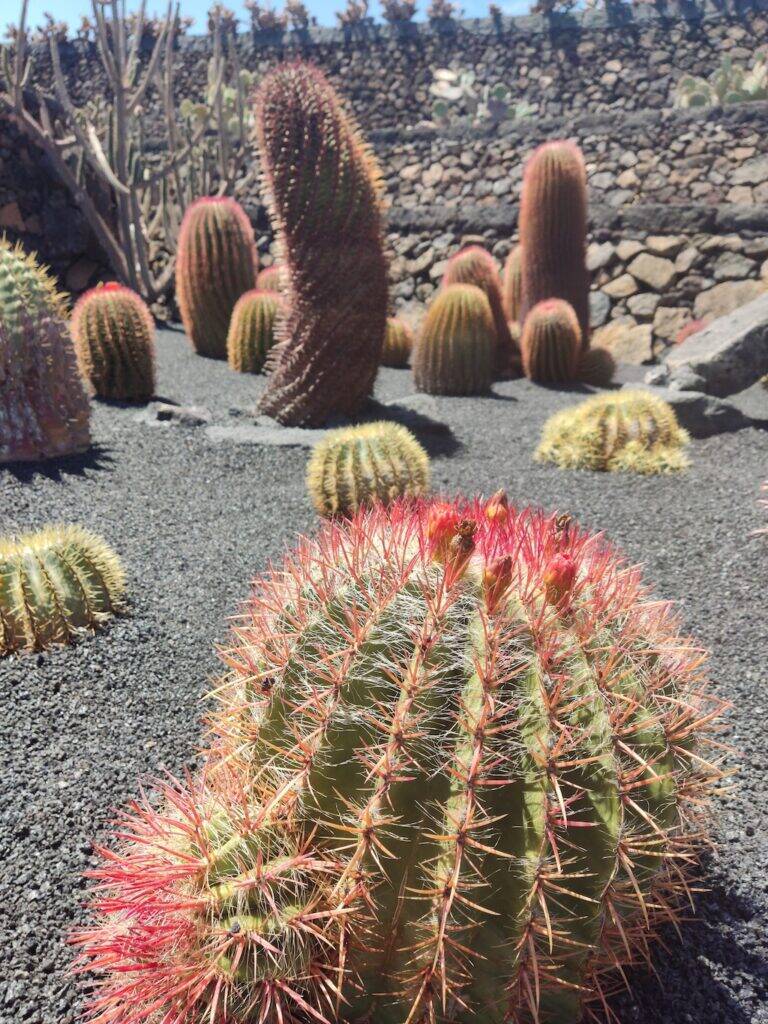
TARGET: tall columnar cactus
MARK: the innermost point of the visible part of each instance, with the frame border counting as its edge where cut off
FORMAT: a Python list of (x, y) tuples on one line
[(456, 347), (460, 768), (632, 431), (323, 189), (252, 330), (216, 263), (398, 343), (357, 466), (475, 265), (269, 279), (114, 336), (512, 284), (553, 231), (551, 343), (54, 585), (44, 410)]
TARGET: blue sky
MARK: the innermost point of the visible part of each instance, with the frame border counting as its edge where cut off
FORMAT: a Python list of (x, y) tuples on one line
[(70, 10)]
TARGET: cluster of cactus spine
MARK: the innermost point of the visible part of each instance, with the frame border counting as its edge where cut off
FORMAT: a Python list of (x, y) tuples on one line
[(324, 193), (398, 343), (630, 430), (553, 231), (512, 284), (216, 263), (54, 585), (551, 343), (114, 336), (475, 265), (44, 409), (269, 279), (357, 466), (456, 348), (459, 769), (252, 330)]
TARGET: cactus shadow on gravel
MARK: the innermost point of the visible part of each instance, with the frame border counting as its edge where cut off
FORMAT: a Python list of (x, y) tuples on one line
[(97, 457), (435, 436)]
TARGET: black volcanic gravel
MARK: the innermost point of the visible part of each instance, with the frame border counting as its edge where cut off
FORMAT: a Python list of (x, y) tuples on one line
[(195, 520)]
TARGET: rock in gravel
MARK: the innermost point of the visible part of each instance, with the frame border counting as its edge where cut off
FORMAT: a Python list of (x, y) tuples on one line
[(264, 432), (730, 354), (701, 415), (180, 415)]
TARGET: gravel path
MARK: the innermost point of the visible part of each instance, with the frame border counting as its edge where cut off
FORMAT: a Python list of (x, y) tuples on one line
[(195, 520)]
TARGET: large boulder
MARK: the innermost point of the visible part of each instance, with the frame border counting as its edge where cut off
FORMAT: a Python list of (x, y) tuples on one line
[(730, 354)]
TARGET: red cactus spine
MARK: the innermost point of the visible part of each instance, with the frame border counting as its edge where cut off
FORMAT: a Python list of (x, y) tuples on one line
[(475, 265), (216, 263), (324, 193), (553, 231)]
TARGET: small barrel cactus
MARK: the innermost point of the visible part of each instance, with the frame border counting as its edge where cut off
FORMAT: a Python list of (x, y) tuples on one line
[(114, 336), (456, 347), (459, 771), (475, 265), (512, 284), (269, 279), (54, 585), (553, 231), (216, 263), (357, 466), (44, 409), (596, 367), (632, 431), (551, 342), (398, 343), (252, 330)]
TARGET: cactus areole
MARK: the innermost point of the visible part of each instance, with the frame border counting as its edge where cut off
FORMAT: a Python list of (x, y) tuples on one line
[(471, 760)]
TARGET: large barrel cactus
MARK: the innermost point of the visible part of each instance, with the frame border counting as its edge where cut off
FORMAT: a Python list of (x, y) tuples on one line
[(216, 263), (475, 265), (553, 231), (323, 190), (456, 348), (458, 773), (44, 409)]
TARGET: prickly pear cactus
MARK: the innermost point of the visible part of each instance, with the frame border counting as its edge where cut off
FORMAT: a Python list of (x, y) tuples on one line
[(631, 431), (455, 351), (44, 410), (398, 343), (114, 336), (465, 762), (54, 585), (357, 466), (252, 330)]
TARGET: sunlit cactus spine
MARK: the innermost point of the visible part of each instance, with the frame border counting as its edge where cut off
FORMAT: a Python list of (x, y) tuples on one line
[(553, 231), (551, 342), (324, 194), (114, 336), (252, 330), (475, 265), (269, 279), (455, 351), (216, 263), (624, 431), (398, 343), (44, 408), (54, 585), (460, 768), (358, 466), (512, 284)]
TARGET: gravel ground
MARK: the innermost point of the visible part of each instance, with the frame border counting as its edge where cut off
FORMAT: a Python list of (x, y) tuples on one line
[(195, 520)]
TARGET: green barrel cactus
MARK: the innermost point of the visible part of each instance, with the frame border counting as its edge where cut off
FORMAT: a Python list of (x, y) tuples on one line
[(44, 408), (114, 336), (456, 348), (324, 194), (398, 343), (270, 279), (252, 330), (55, 585), (216, 263), (459, 768), (630, 430), (551, 343), (475, 265), (356, 466)]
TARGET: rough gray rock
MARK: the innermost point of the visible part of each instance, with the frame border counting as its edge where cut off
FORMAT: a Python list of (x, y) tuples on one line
[(701, 415), (168, 414)]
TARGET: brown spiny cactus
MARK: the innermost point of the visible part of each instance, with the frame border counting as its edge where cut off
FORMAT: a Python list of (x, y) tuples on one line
[(551, 342), (455, 350), (475, 265), (512, 284), (597, 367), (252, 330), (398, 343), (323, 191)]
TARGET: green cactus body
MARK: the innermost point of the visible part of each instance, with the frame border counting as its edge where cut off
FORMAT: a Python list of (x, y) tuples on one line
[(324, 193), (398, 343), (357, 466), (553, 231), (269, 279), (44, 409), (512, 284), (252, 330), (114, 336), (456, 348), (551, 343), (216, 263), (475, 265), (55, 584), (631, 431), (596, 367)]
